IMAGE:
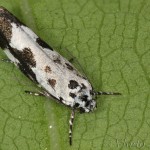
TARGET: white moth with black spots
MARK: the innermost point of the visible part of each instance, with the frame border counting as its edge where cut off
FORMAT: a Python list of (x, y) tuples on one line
[(40, 63)]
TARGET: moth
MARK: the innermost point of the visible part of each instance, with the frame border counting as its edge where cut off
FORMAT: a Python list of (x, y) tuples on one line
[(57, 77)]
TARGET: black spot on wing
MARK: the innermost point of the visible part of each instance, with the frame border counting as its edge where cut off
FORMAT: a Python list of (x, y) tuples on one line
[(27, 56), (69, 66), (5, 27), (43, 44), (23, 66), (57, 60), (87, 103), (83, 86), (9, 17), (27, 71), (52, 82), (73, 84), (72, 95), (3, 41), (48, 69), (84, 98)]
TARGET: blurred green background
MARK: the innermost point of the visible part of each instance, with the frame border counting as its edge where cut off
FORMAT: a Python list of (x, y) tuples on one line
[(111, 40)]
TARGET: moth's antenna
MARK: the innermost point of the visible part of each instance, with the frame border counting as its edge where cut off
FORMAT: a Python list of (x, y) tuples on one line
[(105, 93), (71, 120)]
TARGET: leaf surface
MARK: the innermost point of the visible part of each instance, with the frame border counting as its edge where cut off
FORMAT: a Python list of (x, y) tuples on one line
[(111, 40)]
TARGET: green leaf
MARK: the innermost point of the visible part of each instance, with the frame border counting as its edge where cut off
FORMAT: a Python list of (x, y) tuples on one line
[(111, 40)]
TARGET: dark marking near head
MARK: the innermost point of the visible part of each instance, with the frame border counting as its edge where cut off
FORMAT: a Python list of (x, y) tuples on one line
[(27, 56), (52, 82), (48, 69), (69, 66), (76, 105), (72, 95), (83, 86), (87, 103), (43, 44), (84, 98), (73, 84), (57, 60)]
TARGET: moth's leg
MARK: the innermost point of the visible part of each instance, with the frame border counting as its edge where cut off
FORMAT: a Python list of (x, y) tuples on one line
[(7, 60), (106, 93), (71, 125), (36, 93)]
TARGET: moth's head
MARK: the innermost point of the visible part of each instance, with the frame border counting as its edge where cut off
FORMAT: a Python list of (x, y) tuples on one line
[(83, 96), (80, 92), (84, 102)]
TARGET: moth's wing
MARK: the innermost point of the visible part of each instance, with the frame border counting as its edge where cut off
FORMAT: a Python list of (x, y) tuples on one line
[(52, 53), (38, 41), (35, 38)]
